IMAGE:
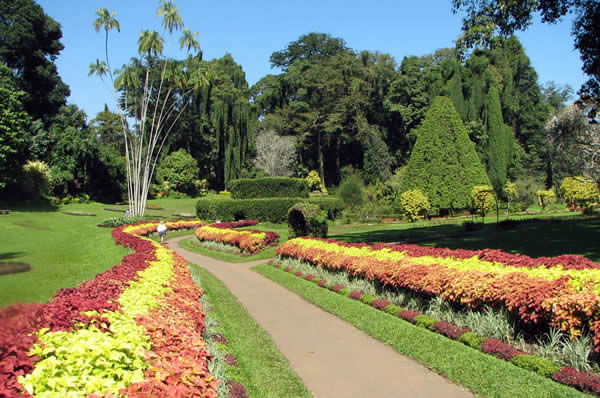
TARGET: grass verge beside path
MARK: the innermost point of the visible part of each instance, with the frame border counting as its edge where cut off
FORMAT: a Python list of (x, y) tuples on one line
[(265, 371), (483, 374)]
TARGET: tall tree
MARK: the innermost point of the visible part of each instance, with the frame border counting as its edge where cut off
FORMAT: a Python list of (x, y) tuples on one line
[(443, 163), (510, 16), (499, 141), (309, 47), (29, 45), (14, 128), (108, 20)]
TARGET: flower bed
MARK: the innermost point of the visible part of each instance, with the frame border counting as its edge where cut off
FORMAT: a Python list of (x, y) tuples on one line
[(562, 291), (583, 381), (248, 240), (134, 330)]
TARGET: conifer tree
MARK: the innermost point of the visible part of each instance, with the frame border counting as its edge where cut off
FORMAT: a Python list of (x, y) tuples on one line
[(443, 163), (499, 141)]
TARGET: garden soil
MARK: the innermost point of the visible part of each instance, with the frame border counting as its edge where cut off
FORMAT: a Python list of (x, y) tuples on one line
[(333, 358)]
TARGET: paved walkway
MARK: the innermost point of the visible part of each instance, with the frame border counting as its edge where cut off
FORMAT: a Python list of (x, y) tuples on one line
[(332, 357)]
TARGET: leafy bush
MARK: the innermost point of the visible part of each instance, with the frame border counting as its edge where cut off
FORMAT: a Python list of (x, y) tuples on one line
[(471, 339), (314, 181), (269, 187), (414, 204), (351, 191), (583, 381), (545, 197), (265, 209), (499, 349), (449, 330), (393, 309), (425, 321), (577, 191), (482, 199), (307, 219), (35, 178), (543, 367), (365, 298), (180, 170)]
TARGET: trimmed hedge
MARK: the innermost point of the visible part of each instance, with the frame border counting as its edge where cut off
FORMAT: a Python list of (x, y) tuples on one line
[(267, 209), (269, 187), (307, 219)]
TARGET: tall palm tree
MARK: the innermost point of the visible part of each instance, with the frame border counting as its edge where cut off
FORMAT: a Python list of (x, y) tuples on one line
[(171, 19), (188, 40), (150, 42), (98, 68), (106, 19)]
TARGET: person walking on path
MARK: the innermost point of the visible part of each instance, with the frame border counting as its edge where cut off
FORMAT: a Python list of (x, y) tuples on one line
[(162, 231)]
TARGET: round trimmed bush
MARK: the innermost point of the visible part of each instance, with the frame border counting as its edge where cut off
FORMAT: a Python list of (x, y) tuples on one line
[(307, 219)]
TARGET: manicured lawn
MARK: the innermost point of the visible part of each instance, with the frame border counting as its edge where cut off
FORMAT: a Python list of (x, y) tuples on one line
[(63, 250), (265, 371), (483, 374)]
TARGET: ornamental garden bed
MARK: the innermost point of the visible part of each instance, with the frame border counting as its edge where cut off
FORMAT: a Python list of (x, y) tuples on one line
[(134, 330), (539, 293), (248, 241)]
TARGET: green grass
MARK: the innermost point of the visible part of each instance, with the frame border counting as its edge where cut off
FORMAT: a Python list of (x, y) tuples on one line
[(265, 371), (482, 373), (570, 236), (63, 250), (267, 253)]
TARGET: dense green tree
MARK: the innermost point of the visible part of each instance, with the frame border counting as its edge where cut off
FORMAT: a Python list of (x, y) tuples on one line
[(29, 45), (14, 128), (499, 144), (308, 47), (443, 163), (511, 16), (377, 161), (180, 169)]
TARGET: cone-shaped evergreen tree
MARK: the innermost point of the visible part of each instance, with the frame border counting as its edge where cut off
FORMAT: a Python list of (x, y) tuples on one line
[(499, 143), (443, 163)]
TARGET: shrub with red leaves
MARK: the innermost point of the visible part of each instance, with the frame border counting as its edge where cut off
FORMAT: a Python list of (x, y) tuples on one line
[(322, 282), (309, 277), (586, 382), (499, 349), (355, 295), (298, 273), (380, 304), (237, 390), (336, 288), (409, 315), (449, 330)]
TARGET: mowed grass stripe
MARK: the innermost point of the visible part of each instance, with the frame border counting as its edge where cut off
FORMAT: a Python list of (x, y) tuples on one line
[(482, 373)]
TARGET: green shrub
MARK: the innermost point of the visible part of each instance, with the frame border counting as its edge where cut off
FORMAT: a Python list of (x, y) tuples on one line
[(425, 321), (365, 298), (180, 169), (577, 191), (535, 363), (314, 181), (482, 199), (343, 291), (471, 339), (351, 191), (265, 209), (36, 175), (393, 309), (414, 204), (307, 219), (545, 197), (333, 206), (269, 187)]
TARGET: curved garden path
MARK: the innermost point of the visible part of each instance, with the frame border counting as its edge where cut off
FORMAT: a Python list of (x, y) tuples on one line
[(332, 357)]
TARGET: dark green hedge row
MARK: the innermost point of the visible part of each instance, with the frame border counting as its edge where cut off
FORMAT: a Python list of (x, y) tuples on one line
[(270, 209), (269, 187)]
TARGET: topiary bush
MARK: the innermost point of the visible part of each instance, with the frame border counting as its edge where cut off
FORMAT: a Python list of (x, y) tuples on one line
[(269, 187), (307, 219), (351, 191), (180, 170), (482, 199)]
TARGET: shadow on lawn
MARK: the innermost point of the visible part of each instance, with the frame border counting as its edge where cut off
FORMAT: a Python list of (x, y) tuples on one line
[(10, 255), (29, 206)]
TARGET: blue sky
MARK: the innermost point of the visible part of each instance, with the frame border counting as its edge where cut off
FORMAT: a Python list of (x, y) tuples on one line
[(252, 30)]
